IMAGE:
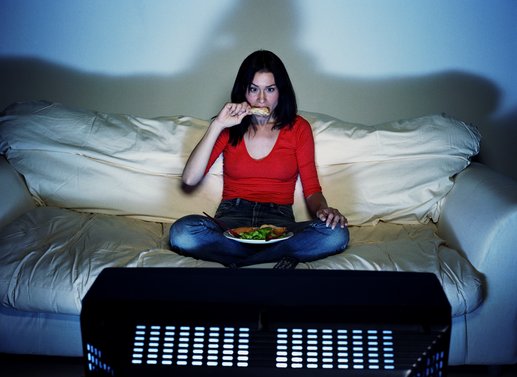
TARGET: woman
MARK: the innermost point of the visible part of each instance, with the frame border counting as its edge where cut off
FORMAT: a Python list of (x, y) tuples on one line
[(263, 155)]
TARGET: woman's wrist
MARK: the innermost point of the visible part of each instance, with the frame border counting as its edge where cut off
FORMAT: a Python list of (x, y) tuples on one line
[(217, 125)]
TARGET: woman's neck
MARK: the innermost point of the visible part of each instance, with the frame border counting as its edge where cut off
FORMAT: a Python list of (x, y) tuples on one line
[(263, 121)]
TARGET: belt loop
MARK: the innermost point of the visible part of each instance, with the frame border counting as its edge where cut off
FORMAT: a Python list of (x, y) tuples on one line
[(237, 201)]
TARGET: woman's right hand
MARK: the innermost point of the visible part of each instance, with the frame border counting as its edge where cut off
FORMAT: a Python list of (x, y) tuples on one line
[(232, 114)]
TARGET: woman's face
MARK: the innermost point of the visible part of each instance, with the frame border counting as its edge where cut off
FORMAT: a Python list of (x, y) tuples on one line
[(262, 91)]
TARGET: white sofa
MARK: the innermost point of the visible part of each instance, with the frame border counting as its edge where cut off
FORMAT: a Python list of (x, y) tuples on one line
[(81, 191)]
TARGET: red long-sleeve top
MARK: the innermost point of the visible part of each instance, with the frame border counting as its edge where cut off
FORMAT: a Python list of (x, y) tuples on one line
[(271, 179)]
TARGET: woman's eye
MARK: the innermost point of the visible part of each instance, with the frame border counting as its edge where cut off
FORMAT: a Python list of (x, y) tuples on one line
[(271, 90), (252, 90)]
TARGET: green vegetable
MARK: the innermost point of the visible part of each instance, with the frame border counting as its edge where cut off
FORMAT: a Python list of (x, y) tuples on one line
[(264, 234), (259, 234)]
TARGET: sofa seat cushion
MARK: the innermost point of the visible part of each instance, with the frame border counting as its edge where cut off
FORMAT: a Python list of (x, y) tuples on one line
[(50, 257), (411, 247)]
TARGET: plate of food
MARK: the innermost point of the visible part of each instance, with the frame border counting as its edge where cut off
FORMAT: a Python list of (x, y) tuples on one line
[(258, 235)]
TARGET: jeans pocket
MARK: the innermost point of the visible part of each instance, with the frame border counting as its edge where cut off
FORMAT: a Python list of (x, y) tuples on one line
[(285, 211), (224, 207)]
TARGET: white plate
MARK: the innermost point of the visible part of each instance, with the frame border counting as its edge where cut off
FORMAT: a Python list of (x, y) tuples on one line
[(228, 235)]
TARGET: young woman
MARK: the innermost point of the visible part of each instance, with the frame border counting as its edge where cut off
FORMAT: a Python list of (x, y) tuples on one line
[(264, 152)]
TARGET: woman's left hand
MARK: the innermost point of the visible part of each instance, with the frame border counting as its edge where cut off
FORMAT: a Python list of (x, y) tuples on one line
[(332, 217)]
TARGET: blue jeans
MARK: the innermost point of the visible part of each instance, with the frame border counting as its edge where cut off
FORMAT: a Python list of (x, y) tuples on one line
[(200, 237)]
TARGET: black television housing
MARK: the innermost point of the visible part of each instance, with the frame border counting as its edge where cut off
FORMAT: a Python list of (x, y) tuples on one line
[(264, 322)]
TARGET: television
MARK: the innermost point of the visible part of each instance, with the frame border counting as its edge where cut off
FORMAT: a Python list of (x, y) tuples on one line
[(264, 322)]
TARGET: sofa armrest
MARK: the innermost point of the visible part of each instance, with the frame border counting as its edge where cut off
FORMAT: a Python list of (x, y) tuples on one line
[(15, 198), (479, 218)]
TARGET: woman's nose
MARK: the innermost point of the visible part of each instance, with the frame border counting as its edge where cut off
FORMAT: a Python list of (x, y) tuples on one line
[(262, 96)]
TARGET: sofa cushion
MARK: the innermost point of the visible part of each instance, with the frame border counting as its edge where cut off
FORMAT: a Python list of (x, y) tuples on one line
[(125, 165), (415, 248), (50, 257), (106, 163), (397, 171), (15, 198)]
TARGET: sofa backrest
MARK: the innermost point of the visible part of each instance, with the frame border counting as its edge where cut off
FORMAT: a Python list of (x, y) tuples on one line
[(15, 199), (125, 165)]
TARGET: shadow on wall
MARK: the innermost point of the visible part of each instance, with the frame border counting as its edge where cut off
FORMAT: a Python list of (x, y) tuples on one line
[(202, 90)]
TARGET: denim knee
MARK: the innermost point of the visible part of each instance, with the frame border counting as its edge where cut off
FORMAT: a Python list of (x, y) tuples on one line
[(335, 239), (342, 235), (184, 231)]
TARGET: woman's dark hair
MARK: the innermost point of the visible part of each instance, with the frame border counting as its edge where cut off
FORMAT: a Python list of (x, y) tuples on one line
[(286, 110)]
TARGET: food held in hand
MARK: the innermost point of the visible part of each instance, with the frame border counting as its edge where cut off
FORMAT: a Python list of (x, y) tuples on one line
[(261, 111)]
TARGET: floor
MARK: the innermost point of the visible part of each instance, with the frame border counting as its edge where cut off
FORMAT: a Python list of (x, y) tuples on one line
[(25, 366)]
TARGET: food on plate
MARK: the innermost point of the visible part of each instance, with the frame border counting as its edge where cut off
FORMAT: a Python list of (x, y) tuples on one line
[(242, 229), (264, 232), (262, 111)]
